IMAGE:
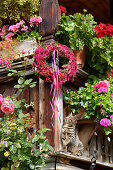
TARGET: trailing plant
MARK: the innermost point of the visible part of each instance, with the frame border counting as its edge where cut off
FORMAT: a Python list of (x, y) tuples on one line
[(21, 145), (97, 99)]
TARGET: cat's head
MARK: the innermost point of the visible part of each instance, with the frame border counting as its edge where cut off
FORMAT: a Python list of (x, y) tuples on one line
[(70, 120)]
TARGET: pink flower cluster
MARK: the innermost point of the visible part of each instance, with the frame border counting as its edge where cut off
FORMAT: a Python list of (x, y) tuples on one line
[(106, 122), (103, 30), (63, 9), (19, 25), (5, 34), (6, 105), (4, 61), (35, 21), (103, 86)]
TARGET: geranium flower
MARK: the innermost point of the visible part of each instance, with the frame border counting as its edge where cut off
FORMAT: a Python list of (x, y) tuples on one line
[(25, 28), (111, 117), (35, 21), (63, 9), (105, 122)]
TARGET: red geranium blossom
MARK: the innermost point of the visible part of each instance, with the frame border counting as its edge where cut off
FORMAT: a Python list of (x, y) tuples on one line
[(63, 9)]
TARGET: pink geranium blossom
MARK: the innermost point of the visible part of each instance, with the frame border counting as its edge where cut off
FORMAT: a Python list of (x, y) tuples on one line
[(7, 106), (103, 90), (13, 28), (111, 117), (102, 86), (21, 22), (25, 28), (105, 122), (35, 21), (9, 35)]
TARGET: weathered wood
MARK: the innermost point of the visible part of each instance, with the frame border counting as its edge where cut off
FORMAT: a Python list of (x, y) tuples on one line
[(45, 111), (92, 147), (50, 13), (86, 131), (58, 123), (36, 105), (41, 103), (80, 162), (99, 142)]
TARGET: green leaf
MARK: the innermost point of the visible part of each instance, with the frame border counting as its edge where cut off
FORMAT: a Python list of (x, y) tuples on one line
[(32, 166), (50, 148), (20, 80), (17, 86), (13, 149), (33, 85), (28, 81), (10, 74), (18, 145), (14, 71), (36, 138)]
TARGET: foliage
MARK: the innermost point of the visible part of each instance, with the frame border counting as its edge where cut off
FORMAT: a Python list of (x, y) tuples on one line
[(21, 146), (96, 98), (12, 11), (79, 30)]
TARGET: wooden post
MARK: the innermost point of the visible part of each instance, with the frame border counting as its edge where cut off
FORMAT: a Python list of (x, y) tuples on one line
[(51, 14)]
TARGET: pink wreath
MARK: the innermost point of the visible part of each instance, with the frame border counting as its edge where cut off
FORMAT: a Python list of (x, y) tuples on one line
[(43, 59)]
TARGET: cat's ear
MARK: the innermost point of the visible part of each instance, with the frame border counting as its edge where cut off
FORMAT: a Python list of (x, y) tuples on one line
[(75, 118)]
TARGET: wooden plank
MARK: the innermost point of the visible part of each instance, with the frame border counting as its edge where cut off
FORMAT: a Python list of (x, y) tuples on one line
[(110, 150), (83, 160), (36, 105), (106, 149), (58, 123), (92, 147), (41, 103), (99, 141), (85, 132), (48, 114)]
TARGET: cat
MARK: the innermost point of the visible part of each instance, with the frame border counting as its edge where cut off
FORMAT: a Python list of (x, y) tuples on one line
[(70, 139)]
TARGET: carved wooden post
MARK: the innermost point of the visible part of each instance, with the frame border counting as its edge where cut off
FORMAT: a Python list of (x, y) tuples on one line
[(50, 13)]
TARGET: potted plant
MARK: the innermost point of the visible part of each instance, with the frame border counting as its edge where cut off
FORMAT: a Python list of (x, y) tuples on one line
[(81, 32), (97, 99)]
